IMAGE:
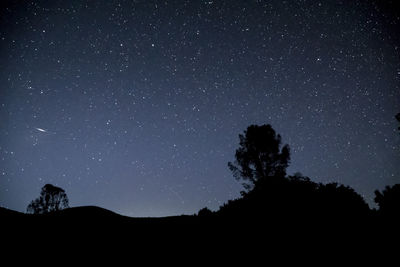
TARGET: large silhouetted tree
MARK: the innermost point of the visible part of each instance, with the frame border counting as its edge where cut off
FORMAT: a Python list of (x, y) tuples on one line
[(259, 156), (389, 201), (261, 161), (51, 198)]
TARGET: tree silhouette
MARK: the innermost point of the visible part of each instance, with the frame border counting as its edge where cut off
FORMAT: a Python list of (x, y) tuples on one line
[(389, 201), (261, 161), (398, 118), (51, 199), (259, 156)]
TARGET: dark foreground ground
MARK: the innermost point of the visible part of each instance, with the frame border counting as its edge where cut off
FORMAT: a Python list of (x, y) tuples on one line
[(100, 230)]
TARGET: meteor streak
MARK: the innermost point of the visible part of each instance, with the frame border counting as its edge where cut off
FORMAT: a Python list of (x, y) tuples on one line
[(41, 130)]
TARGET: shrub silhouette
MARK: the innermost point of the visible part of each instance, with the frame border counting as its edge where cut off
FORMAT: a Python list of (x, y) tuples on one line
[(389, 201), (205, 212), (51, 199), (259, 156), (341, 200), (296, 197)]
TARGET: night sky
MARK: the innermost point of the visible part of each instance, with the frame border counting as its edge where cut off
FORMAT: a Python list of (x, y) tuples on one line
[(136, 106)]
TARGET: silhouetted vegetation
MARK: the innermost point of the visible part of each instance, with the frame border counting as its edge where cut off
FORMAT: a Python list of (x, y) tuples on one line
[(261, 161), (51, 199), (389, 201), (205, 212), (296, 197), (259, 156)]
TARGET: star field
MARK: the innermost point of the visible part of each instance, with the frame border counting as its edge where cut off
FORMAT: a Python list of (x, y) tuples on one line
[(136, 106)]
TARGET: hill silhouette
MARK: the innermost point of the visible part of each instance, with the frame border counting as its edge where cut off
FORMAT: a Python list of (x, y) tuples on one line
[(89, 221), (231, 228), (92, 216)]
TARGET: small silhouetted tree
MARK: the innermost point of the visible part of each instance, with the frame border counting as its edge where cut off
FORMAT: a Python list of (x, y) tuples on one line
[(51, 199), (259, 156), (398, 119), (389, 201)]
